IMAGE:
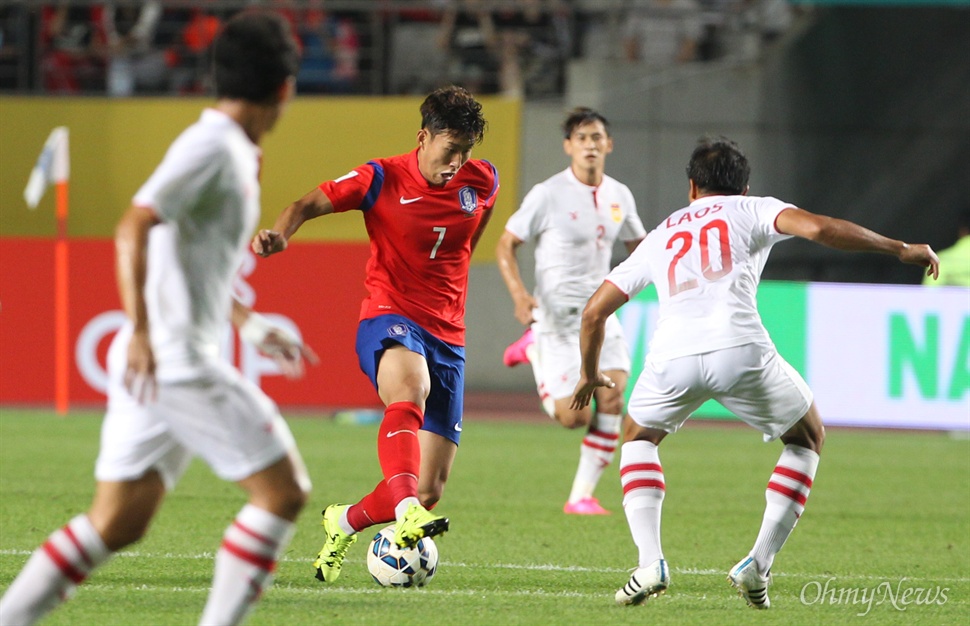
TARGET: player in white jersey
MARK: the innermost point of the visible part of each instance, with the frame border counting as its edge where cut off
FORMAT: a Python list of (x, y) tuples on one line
[(706, 260), (574, 218), (170, 397)]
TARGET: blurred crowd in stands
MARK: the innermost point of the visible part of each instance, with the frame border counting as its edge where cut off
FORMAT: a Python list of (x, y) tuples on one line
[(519, 48)]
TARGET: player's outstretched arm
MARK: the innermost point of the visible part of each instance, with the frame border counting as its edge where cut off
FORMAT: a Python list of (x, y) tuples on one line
[(603, 303), (849, 236), (271, 241), (508, 267)]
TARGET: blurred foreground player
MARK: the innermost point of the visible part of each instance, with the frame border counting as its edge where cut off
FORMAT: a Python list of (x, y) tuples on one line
[(170, 395), (424, 212), (706, 261)]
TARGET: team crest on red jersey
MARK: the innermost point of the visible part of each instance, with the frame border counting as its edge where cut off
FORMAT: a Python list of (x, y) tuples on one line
[(467, 199)]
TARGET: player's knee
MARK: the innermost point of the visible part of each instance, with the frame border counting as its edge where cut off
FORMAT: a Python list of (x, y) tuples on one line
[(818, 439), (573, 419), (611, 406), (285, 500), (809, 436), (293, 500), (121, 533), (635, 432)]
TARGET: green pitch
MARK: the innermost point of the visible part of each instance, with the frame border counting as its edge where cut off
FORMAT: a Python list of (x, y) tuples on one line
[(887, 521)]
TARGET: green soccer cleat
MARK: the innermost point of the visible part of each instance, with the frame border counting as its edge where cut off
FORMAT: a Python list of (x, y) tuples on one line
[(331, 556), (418, 523)]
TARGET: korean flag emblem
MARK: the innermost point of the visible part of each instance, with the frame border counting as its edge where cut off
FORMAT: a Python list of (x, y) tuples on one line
[(468, 200)]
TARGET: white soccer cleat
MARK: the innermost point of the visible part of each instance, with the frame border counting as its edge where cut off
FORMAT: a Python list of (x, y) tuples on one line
[(749, 582), (645, 583)]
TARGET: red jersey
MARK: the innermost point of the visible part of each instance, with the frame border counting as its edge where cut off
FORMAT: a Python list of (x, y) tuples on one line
[(420, 237)]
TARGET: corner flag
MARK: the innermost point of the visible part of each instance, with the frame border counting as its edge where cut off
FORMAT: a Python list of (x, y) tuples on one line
[(53, 166)]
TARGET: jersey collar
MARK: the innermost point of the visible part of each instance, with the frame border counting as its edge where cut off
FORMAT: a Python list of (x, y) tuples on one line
[(415, 171), (572, 175)]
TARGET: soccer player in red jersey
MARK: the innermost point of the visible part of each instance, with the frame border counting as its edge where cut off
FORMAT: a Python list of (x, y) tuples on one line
[(424, 212)]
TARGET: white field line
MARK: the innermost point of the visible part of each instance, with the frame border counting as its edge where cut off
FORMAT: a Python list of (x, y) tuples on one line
[(548, 567)]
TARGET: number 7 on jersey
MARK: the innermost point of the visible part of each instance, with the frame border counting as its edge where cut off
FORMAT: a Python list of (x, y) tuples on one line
[(441, 230)]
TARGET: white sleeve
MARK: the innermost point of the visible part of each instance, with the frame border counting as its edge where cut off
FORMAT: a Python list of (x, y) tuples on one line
[(633, 274), (529, 221), (766, 212), (182, 177), (632, 228)]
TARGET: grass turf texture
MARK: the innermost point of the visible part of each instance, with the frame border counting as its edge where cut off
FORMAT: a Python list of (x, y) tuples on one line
[(890, 512)]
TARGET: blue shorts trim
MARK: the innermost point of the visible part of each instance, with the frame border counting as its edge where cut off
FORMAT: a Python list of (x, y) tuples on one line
[(446, 365)]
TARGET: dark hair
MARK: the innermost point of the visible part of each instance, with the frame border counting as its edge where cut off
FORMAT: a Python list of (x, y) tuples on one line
[(580, 116), (717, 165), (453, 109), (253, 56)]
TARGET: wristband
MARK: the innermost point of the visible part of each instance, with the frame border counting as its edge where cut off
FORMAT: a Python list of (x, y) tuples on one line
[(255, 329)]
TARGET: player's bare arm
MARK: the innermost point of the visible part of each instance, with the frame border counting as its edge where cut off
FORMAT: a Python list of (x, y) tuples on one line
[(850, 237), (508, 267), (271, 241), (131, 245), (603, 303), (287, 350), (481, 229)]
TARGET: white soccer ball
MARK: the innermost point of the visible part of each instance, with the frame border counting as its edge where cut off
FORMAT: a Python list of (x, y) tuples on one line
[(392, 566)]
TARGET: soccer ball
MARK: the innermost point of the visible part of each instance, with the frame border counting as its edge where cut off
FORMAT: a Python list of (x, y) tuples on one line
[(392, 566)]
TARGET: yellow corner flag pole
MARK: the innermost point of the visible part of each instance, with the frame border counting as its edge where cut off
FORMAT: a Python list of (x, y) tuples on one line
[(53, 166)]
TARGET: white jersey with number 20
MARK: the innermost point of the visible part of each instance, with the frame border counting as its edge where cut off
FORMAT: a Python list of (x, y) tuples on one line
[(706, 261)]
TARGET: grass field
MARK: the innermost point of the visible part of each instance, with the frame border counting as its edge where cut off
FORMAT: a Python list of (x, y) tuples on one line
[(888, 519)]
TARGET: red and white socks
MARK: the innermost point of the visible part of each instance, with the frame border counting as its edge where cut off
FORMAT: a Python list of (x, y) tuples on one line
[(642, 479), (53, 572), (787, 491), (595, 454), (245, 564)]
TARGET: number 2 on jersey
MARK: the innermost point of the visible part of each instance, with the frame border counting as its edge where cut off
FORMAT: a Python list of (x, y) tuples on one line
[(685, 240), (441, 230)]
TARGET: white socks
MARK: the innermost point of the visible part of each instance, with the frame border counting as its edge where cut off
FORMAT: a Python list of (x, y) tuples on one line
[(245, 564), (595, 453), (787, 491), (548, 403), (642, 478), (53, 572)]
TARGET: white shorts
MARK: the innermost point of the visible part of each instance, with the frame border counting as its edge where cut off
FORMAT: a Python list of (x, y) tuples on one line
[(752, 381), (221, 417), (561, 361)]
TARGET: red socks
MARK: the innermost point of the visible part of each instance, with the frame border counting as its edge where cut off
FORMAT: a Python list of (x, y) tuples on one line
[(400, 457)]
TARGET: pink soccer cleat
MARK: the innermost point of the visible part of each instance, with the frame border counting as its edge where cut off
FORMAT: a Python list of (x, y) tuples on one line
[(515, 353), (586, 506)]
